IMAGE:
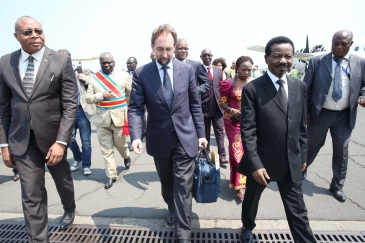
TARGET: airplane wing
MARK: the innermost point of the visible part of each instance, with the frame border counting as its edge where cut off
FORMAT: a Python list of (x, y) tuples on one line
[(298, 55), (75, 59)]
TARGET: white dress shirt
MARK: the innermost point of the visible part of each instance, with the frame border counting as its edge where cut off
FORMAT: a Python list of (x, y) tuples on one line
[(344, 102), (170, 72), (277, 86)]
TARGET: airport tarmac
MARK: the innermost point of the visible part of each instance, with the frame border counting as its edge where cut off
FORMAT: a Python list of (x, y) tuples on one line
[(135, 199)]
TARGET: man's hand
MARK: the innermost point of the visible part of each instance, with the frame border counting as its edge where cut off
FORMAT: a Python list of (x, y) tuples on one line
[(108, 94), (361, 101), (304, 165), (261, 176), (8, 159), (202, 141), (308, 120), (55, 154), (137, 146), (81, 77)]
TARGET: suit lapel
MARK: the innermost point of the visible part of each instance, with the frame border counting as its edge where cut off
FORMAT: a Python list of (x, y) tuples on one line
[(46, 59), (177, 80), (271, 90), (156, 82), (291, 91), (328, 63), (354, 67), (15, 65)]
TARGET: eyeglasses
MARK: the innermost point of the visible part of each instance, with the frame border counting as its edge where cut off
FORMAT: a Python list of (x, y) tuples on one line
[(182, 48), (130, 63), (29, 32), (207, 55), (104, 63)]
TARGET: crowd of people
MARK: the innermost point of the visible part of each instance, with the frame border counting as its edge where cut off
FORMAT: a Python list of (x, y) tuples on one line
[(169, 105)]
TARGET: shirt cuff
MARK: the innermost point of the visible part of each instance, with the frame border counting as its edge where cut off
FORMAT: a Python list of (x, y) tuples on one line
[(4, 145), (101, 96), (61, 143)]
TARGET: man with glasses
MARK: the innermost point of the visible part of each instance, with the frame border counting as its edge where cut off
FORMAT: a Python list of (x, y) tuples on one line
[(109, 90), (167, 88), (38, 104), (213, 113)]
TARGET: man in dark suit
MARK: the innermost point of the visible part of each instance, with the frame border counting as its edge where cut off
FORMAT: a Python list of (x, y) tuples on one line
[(213, 113), (38, 103), (274, 138), (175, 127), (334, 83), (131, 65)]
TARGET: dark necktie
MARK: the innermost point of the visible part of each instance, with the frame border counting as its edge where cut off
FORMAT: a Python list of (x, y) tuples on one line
[(282, 94), (167, 88), (210, 74), (28, 79), (337, 81)]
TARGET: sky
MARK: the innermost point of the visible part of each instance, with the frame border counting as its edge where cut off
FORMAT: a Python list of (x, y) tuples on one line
[(89, 27)]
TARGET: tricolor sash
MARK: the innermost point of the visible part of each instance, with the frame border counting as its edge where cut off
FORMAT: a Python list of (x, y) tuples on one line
[(117, 102), (108, 84)]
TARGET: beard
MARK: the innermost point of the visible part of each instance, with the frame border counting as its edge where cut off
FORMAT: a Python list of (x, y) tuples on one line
[(164, 62)]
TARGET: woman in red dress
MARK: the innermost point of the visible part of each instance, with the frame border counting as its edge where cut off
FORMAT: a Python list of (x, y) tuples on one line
[(230, 101)]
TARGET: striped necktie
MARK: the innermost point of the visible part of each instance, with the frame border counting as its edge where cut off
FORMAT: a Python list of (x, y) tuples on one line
[(28, 79)]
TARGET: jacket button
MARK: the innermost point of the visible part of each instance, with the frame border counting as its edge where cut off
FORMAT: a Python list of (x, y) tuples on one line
[(27, 119), (289, 135)]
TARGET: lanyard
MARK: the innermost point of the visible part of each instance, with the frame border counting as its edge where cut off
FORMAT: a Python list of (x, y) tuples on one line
[(343, 69)]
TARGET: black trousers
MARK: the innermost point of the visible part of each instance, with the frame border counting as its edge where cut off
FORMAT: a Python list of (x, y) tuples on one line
[(338, 122), (31, 168), (292, 196), (176, 176)]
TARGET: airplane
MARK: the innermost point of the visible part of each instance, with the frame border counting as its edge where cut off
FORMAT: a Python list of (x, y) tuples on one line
[(303, 55)]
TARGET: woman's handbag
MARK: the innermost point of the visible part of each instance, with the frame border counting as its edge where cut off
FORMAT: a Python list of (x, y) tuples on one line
[(206, 182)]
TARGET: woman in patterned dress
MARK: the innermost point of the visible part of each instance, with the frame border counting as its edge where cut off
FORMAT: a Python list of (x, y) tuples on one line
[(230, 101)]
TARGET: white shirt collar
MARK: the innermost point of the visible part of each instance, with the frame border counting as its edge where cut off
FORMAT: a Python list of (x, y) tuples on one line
[(159, 66), (274, 78), (347, 57), (37, 56)]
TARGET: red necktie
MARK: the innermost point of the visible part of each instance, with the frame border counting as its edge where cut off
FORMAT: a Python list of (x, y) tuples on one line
[(210, 74)]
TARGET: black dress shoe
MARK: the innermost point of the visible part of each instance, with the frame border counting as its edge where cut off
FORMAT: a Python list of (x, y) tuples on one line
[(304, 175), (109, 183), (338, 194), (67, 220), (127, 163), (246, 236), (170, 219), (182, 241)]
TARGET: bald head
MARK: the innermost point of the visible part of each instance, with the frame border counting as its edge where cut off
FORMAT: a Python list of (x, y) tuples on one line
[(16, 26), (206, 56), (341, 43), (343, 34)]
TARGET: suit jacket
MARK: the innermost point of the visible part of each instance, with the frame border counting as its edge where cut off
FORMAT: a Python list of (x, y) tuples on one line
[(51, 107), (103, 118), (89, 109), (273, 138), (318, 79), (210, 98), (196, 66), (185, 116)]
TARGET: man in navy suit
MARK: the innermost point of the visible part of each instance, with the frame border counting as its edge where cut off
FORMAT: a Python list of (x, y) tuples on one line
[(334, 83), (175, 125), (213, 113)]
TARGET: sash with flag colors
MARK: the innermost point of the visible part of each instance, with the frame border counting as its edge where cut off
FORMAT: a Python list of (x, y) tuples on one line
[(120, 101)]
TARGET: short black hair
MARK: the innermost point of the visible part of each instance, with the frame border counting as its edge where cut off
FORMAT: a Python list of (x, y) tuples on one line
[(277, 40)]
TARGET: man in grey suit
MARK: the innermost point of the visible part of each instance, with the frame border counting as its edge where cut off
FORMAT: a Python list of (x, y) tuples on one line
[(334, 83), (84, 113), (38, 103), (175, 127), (274, 138)]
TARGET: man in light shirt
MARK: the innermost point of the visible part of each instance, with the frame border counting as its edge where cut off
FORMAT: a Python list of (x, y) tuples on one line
[(334, 83), (38, 103)]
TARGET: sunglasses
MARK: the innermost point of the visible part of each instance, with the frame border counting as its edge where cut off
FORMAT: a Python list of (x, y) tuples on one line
[(207, 55), (29, 32), (130, 63)]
